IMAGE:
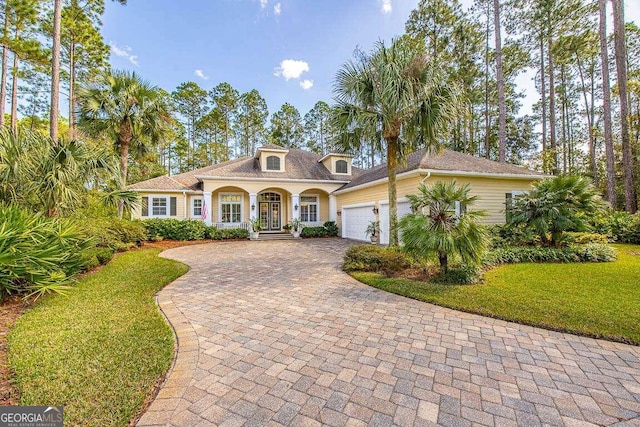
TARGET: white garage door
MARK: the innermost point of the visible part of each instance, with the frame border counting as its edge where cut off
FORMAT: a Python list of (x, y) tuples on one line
[(355, 222), (404, 208)]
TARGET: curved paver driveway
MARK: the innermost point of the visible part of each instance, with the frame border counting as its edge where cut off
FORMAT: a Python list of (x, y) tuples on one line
[(273, 333)]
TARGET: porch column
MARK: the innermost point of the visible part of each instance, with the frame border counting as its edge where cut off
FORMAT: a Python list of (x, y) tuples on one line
[(206, 207), (253, 205), (332, 208), (295, 201)]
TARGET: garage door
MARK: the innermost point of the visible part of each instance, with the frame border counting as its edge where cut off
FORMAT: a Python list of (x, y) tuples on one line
[(404, 208), (355, 222)]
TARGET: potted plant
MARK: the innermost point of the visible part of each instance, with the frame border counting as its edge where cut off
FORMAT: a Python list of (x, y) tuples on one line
[(255, 227), (296, 227), (372, 231)]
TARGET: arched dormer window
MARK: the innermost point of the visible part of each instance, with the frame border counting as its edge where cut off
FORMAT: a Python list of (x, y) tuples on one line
[(341, 166), (273, 163)]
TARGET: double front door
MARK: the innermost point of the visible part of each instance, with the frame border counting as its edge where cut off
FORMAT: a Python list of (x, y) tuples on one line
[(270, 212)]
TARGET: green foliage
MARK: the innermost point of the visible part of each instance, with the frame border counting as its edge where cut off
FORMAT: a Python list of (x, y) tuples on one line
[(620, 227), (313, 232), (439, 231), (101, 350), (592, 252), (374, 258), (93, 257), (41, 176), (226, 233), (332, 228), (584, 238), (112, 232), (38, 254), (557, 205), (175, 229), (463, 275), (511, 235)]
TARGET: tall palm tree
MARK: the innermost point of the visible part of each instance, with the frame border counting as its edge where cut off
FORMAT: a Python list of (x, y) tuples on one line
[(442, 224), (399, 93), (126, 109)]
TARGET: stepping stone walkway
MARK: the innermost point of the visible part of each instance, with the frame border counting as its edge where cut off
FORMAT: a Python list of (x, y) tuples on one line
[(274, 333)]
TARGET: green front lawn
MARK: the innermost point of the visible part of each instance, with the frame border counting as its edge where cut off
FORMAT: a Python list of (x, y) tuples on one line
[(595, 299), (99, 350)]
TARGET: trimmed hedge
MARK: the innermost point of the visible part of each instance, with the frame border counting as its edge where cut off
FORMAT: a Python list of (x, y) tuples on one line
[(112, 232), (592, 252), (313, 232), (91, 258), (332, 228), (375, 258), (463, 275), (176, 229)]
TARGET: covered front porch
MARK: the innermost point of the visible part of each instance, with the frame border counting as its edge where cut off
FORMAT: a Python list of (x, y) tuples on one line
[(275, 207)]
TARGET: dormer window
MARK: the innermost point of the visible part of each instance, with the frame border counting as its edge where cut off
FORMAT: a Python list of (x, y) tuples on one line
[(273, 163), (341, 166), (338, 164)]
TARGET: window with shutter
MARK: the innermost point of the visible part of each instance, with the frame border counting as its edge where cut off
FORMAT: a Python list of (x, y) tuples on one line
[(145, 206), (174, 206)]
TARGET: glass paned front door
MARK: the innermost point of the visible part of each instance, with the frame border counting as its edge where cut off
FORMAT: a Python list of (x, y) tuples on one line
[(269, 204)]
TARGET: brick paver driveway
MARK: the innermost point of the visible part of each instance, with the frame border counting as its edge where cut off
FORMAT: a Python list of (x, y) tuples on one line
[(273, 333)]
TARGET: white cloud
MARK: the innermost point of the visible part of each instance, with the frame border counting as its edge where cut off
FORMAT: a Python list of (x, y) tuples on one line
[(291, 69), (277, 9), (386, 6), (200, 73), (124, 52), (263, 3), (306, 84)]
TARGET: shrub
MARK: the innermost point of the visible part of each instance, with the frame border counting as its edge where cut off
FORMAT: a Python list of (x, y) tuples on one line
[(38, 254), (313, 232), (175, 229), (332, 228), (226, 233), (593, 252), (511, 235), (374, 258), (112, 232), (619, 227), (584, 238), (94, 257), (463, 275)]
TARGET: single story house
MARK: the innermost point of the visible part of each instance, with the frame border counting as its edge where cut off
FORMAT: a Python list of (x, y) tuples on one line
[(279, 184)]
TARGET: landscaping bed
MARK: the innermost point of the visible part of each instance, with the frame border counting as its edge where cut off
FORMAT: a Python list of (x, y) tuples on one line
[(593, 299), (101, 349)]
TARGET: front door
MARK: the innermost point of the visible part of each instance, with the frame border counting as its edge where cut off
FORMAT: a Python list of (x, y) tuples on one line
[(270, 214)]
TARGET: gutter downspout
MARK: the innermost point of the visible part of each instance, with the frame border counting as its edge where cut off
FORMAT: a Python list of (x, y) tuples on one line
[(425, 178), (184, 195)]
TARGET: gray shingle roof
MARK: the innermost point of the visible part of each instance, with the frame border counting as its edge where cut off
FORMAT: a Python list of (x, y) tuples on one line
[(446, 160), (299, 164)]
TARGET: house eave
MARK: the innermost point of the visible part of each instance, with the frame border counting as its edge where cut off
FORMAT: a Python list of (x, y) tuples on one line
[(159, 190), (226, 178), (326, 156), (440, 172)]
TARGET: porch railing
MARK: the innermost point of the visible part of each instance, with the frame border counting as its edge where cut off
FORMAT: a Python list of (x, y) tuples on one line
[(227, 225)]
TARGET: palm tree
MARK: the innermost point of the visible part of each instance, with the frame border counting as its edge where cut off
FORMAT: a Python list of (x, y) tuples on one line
[(442, 225), (399, 93), (40, 176), (556, 205), (127, 110)]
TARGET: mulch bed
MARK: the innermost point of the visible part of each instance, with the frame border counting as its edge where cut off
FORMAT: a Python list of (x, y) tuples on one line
[(11, 308)]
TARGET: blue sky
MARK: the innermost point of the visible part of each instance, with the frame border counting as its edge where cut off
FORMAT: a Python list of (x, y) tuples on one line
[(244, 42)]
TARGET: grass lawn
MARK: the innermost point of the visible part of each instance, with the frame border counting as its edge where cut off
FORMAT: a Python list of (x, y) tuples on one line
[(98, 350), (596, 299)]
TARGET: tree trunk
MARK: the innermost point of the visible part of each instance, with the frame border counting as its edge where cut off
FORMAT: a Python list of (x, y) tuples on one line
[(392, 165), (14, 94), (588, 107), (55, 72), (5, 58), (543, 95), (72, 91), (630, 200), (444, 262), (502, 113), (487, 147), (124, 140), (552, 108), (563, 118), (606, 103)]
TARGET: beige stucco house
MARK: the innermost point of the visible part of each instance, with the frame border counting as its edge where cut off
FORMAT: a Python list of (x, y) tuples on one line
[(279, 184)]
